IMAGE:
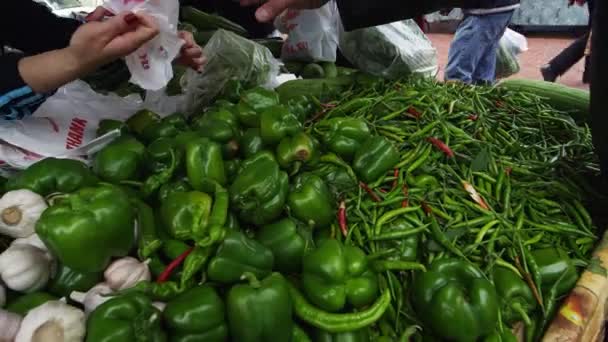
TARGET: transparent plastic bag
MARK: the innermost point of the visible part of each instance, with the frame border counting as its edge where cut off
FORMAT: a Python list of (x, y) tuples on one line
[(230, 56), (393, 50), (511, 44)]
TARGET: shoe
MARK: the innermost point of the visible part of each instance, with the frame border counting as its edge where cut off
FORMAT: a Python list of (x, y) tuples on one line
[(587, 71), (548, 74)]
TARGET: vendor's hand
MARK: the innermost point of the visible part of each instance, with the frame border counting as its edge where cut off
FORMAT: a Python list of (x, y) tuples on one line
[(271, 9), (97, 43), (191, 54)]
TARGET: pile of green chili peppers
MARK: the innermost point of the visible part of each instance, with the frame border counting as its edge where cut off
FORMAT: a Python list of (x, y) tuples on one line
[(406, 211)]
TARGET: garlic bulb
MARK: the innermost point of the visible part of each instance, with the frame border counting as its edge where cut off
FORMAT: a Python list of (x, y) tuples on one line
[(24, 268), (2, 297), (32, 240), (52, 321), (9, 325), (126, 272), (93, 298), (19, 212)]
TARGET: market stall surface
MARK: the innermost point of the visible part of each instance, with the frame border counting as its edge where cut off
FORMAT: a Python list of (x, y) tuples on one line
[(540, 50)]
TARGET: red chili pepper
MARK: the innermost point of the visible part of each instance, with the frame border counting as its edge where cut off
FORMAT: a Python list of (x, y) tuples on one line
[(427, 209), (405, 203), (342, 218), (441, 146), (473, 117), (499, 104), (163, 277), (396, 175), (370, 192), (414, 113), (508, 171), (382, 190)]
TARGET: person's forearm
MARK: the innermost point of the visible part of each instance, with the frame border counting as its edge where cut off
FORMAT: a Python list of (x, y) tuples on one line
[(50, 70)]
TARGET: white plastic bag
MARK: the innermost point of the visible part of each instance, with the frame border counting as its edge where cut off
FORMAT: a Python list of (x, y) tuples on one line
[(511, 44), (393, 50), (64, 126), (312, 34), (150, 65)]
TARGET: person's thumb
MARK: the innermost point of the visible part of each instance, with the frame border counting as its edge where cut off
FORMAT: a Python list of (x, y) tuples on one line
[(97, 14), (271, 10)]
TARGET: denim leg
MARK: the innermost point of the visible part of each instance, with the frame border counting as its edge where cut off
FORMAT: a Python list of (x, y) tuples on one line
[(493, 27), (463, 54)]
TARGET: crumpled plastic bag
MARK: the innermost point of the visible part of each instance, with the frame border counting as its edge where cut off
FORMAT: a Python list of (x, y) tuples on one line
[(511, 44), (150, 65), (392, 51), (230, 56)]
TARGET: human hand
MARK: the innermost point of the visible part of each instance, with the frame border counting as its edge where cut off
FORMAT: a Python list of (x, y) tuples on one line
[(191, 54), (99, 42), (271, 9)]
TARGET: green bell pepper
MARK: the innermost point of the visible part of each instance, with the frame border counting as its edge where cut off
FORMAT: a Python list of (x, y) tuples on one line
[(196, 315), (142, 119), (236, 255), (552, 263), (99, 221), (375, 158), (259, 191), (261, 310), (108, 125), (232, 168), (231, 149), (148, 241), (168, 127), (406, 248), (232, 222), (219, 125), (336, 177), (26, 302), (126, 318), (455, 301), (205, 165), (161, 154), (232, 91), (121, 160), (301, 148), (253, 102), (516, 298), (277, 123), (504, 336), (350, 336), (311, 201), (335, 276), (52, 175), (301, 106), (67, 280), (286, 244), (165, 190), (250, 142), (344, 135), (183, 214)]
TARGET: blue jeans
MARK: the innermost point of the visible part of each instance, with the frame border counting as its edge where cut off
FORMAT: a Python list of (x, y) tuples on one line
[(472, 55)]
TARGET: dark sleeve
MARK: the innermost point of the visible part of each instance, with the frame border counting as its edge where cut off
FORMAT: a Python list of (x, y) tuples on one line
[(365, 13), (32, 28), (17, 99)]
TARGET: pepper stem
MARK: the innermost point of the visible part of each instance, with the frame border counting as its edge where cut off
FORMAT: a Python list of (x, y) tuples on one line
[(50, 331), (12, 216), (522, 313), (252, 279)]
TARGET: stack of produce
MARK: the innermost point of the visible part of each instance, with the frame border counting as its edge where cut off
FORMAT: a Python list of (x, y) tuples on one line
[(397, 211)]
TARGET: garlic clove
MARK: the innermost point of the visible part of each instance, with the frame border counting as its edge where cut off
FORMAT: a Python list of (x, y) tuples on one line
[(9, 325), (32, 240), (24, 268), (126, 272), (93, 298), (19, 212)]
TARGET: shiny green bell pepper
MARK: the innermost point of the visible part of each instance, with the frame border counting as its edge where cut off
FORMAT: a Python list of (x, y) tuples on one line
[(236, 255), (142, 119), (97, 220), (336, 177), (121, 160), (251, 142), (301, 148), (232, 168), (183, 214), (516, 298), (504, 336), (167, 127), (552, 263), (344, 135), (277, 123), (406, 248), (259, 191), (180, 185), (219, 125), (232, 91), (252, 103), (126, 318), (455, 301), (335, 276), (108, 125), (67, 280), (350, 336), (261, 310), (286, 244), (375, 158), (53, 175), (160, 154), (196, 315), (310, 201), (301, 106), (205, 165), (26, 302)]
